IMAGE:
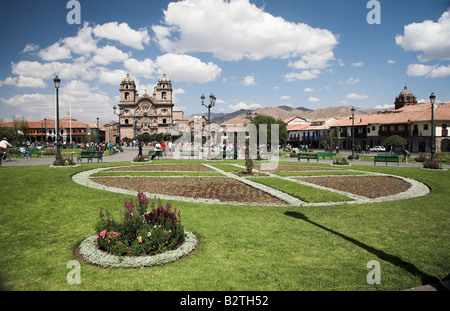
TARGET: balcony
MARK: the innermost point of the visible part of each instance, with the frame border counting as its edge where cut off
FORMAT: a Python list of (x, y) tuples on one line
[(390, 133)]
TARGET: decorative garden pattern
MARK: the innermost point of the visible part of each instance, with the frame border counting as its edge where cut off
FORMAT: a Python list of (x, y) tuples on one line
[(220, 184)]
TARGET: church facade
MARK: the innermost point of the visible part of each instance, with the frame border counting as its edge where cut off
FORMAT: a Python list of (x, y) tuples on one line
[(152, 114)]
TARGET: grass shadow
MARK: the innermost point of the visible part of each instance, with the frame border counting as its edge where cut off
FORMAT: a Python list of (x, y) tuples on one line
[(424, 277)]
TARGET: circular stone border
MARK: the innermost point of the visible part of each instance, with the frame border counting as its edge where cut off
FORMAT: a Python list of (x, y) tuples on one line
[(92, 255), (63, 166), (417, 189)]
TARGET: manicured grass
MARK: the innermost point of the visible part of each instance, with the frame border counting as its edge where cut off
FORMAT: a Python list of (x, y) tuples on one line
[(44, 215), (303, 192), (317, 173)]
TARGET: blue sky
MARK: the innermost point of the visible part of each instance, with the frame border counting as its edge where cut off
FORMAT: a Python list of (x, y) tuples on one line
[(259, 53)]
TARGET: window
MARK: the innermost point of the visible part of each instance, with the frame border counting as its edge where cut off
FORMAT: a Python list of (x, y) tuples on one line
[(126, 121), (127, 95), (164, 95), (164, 121), (425, 127)]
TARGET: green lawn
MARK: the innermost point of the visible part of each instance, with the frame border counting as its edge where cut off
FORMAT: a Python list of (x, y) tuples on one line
[(44, 215)]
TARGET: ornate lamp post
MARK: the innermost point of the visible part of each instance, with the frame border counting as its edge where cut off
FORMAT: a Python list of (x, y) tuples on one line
[(409, 136), (57, 82), (212, 102), (45, 123), (119, 114), (433, 143), (353, 133)]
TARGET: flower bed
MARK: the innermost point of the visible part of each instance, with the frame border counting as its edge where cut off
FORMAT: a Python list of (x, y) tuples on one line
[(218, 188), (141, 232), (367, 186), (163, 168)]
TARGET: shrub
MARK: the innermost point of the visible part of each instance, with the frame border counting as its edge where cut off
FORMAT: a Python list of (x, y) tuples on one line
[(442, 157), (342, 161), (64, 162), (421, 158), (432, 164), (141, 232), (141, 159)]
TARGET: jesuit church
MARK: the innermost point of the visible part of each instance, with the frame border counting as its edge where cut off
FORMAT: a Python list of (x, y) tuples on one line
[(152, 114)]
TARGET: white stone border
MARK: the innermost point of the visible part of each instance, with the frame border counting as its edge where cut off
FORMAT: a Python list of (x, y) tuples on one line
[(417, 189), (94, 256)]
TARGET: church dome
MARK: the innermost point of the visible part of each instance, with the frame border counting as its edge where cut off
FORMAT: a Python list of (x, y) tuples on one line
[(128, 79), (405, 92)]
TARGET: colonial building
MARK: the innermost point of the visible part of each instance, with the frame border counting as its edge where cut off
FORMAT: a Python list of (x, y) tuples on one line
[(152, 114)]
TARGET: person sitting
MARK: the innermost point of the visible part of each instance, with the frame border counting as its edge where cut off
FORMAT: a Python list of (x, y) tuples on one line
[(26, 153)]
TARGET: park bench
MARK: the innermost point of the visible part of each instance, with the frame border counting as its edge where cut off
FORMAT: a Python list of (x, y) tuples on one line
[(90, 155), (308, 156), (155, 153), (189, 154), (324, 155), (229, 155), (34, 151), (385, 157)]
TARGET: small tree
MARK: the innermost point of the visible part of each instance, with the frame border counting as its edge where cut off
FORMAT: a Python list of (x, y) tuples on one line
[(395, 141)]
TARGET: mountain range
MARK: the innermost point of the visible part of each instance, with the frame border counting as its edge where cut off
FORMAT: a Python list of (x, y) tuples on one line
[(286, 112)]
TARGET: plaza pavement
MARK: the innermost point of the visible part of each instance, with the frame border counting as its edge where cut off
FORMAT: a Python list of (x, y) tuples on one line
[(130, 152)]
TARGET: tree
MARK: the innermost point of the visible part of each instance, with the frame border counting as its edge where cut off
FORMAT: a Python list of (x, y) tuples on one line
[(395, 141), (330, 139), (269, 120), (20, 125)]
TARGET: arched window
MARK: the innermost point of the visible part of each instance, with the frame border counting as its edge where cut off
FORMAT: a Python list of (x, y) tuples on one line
[(127, 95), (164, 95), (126, 121), (164, 121)]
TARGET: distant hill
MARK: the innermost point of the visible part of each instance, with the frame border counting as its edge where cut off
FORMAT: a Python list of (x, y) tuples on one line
[(285, 112)]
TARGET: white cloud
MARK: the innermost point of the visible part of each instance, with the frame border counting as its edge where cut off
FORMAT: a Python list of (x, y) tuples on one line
[(285, 97), (313, 61), (249, 80), (187, 68), (123, 33), (356, 96), (304, 75), (387, 106), (238, 30), (308, 89), (428, 37), (313, 99), (113, 77), (138, 68), (353, 80), (243, 105), (30, 47), (83, 43), (417, 70), (55, 52), (390, 61), (357, 65), (109, 54)]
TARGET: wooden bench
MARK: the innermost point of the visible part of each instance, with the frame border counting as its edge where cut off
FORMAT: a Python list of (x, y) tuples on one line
[(189, 154), (385, 157), (34, 151), (324, 155), (90, 155), (155, 153), (308, 156)]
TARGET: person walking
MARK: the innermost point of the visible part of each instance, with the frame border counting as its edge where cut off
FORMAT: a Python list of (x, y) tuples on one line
[(140, 149), (4, 146)]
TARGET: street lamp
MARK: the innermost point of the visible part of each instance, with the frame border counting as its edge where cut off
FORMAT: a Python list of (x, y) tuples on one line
[(433, 143), (353, 133), (57, 82), (45, 123), (212, 102), (119, 114), (409, 136)]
